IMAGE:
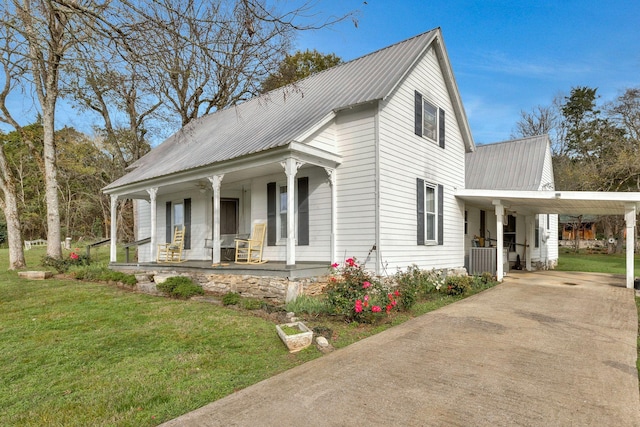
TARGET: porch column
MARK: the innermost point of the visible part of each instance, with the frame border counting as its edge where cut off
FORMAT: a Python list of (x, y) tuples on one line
[(114, 228), (334, 213), (291, 169), (153, 192), (216, 182), (499, 237), (630, 220), (530, 222)]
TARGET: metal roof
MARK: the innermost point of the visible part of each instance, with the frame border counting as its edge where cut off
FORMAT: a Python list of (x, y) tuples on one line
[(510, 165), (279, 117)]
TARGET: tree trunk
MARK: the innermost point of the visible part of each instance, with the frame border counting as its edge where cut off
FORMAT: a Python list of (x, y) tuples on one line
[(9, 205), (54, 249)]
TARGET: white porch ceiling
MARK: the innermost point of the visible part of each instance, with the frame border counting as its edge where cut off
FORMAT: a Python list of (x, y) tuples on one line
[(553, 201)]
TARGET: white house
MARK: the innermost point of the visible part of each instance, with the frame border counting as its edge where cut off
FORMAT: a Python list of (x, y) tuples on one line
[(366, 159)]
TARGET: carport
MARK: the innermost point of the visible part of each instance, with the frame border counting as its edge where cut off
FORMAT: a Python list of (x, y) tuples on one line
[(531, 203)]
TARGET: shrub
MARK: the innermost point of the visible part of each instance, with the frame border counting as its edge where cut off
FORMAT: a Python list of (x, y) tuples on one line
[(309, 305), (231, 298), (62, 265), (355, 294), (180, 287), (457, 285), (101, 272), (252, 303)]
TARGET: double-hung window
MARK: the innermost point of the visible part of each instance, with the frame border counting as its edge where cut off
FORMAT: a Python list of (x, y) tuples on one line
[(429, 120), (277, 204), (430, 213), (282, 212)]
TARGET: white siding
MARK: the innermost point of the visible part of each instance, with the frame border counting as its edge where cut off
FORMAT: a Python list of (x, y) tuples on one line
[(404, 157), (319, 215), (356, 184), (143, 208), (325, 138)]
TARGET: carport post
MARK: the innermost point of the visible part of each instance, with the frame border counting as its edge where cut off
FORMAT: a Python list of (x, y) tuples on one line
[(530, 221), (630, 220), (499, 235)]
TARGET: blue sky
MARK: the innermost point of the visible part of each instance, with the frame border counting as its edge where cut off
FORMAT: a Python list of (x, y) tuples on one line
[(507, 56)]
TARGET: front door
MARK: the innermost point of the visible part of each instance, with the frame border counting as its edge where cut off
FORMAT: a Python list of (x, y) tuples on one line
[(228, 216)]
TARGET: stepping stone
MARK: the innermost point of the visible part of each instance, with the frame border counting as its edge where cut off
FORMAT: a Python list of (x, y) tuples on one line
[(35, 275)]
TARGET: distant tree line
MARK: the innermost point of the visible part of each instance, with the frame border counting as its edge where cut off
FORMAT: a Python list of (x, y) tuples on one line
[(139, 66), (595, 147)]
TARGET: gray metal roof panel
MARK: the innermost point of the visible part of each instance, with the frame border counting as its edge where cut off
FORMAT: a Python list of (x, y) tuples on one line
[(510, 165), (276, 118)]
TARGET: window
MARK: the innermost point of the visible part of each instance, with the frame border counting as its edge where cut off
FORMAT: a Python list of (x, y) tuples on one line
[(176, 214), (282, 210), (277, 212), (429, 213), (429, 120)]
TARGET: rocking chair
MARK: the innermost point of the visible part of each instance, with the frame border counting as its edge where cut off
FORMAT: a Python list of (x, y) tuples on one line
[(172, 252), (249, 251)]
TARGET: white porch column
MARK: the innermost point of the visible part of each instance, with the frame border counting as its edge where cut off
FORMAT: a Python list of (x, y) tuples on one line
[(216, 182), (499, 237), (291, 169), (530, 221), (114, 228), (153, 192), (334, 212), (630, 220)]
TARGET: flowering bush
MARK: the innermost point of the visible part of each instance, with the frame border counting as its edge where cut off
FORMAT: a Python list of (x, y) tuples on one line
[(355, 294)]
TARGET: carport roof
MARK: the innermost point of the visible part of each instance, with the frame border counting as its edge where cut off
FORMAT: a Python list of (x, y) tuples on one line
[(553, 201)]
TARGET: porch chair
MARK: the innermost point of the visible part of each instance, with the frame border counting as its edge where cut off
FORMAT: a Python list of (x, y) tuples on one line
[(172, 252), (249, 251)]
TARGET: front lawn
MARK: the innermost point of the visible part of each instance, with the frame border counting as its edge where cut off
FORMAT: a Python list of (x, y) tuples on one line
[(75, 353), (595, 263)]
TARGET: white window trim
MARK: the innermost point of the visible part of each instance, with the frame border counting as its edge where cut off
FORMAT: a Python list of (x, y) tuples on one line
[(282, 241), (435, 139), (434, 241)]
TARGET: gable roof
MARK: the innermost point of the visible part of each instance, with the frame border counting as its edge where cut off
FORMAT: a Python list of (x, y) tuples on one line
[(510, 165), (287, 114)]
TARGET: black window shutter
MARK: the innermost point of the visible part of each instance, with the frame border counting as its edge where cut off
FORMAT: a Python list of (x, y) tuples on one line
[(169, 232), (418, 114), (271, 214), (303, 211), (187, 223), (441, 128), (420, 210), (440, 214)]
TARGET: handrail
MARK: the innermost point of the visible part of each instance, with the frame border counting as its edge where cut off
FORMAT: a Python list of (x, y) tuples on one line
[(136, 243), (95, 245)]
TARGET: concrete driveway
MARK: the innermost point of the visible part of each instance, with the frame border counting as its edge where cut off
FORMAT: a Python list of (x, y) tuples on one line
[(541, 349)]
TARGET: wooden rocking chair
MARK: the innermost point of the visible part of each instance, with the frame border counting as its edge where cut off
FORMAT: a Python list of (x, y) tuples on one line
[(249, 251), (172, 252)]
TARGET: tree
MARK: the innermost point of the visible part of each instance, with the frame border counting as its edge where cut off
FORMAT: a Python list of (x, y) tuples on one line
[(298, 66)]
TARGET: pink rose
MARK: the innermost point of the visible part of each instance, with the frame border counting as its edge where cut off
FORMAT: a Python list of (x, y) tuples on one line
[(376, 309), (365, 285), (335, 265), (358, 306), (350, 262)]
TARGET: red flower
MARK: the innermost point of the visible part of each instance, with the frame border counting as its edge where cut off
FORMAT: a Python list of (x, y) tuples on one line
[(389, 307), (335, 265), (350, 262), (365, 285), (358, 306), (376, 309), (74, 255), (397, 293)]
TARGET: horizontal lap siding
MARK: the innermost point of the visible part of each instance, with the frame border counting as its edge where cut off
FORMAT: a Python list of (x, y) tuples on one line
[(143, 209), (319, 215), (356, 184), (404, 157)]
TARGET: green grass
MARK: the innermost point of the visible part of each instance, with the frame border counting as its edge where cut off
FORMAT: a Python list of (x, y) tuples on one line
[(596, 263), (76, 353)]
